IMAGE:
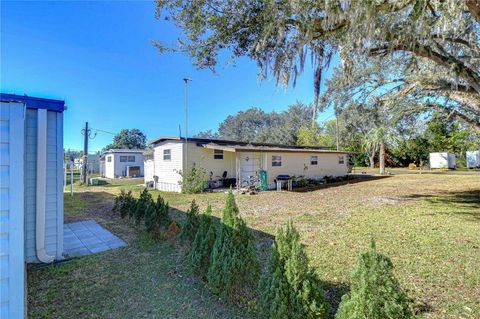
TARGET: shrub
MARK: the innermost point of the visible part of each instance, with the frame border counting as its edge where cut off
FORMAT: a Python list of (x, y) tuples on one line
[(374, 293), (201, 249), (194, 180), (289, 288), (157, 216), (143, 203), (234, 264), (124, 203), (172, 231), (191, 226)]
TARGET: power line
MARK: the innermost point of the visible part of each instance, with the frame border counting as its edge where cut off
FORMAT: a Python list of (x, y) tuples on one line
[(103, 131)]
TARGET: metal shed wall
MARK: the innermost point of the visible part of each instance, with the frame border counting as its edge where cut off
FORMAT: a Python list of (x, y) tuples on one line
[(12, 257), (54, 184)]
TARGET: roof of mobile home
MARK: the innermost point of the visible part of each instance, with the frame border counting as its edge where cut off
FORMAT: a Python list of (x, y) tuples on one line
[(124, 150), (234, 146)]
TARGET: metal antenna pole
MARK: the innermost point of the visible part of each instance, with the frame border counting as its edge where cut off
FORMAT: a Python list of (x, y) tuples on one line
[(186, 80), (336, 133), (86, 132)]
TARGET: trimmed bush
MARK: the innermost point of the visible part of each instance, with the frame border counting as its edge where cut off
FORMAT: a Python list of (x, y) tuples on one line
[(201, 249), (143, 203), (374, 293), (124, 203), (290, 288), (194, 180), (234, 265), (157, 216), (191, 226)]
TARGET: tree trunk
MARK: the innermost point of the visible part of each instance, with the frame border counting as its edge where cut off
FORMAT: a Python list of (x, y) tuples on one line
[(382, 157), (371, 158)]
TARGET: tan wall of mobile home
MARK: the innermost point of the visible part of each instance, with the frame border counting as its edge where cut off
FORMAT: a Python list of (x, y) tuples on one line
[(298, 164), (204, 157)]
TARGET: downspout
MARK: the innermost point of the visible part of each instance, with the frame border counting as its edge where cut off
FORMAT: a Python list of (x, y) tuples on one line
[(41, 187)]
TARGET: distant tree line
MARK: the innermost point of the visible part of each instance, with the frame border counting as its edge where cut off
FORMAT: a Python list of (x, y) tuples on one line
[(290, 127), (362, 128)]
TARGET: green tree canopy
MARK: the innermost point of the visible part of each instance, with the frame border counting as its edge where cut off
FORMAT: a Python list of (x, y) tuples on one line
[(256, 125), (128, 139)]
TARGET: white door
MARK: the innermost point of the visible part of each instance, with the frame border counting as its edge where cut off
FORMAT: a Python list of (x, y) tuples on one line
[(250, 165), (12, 249)]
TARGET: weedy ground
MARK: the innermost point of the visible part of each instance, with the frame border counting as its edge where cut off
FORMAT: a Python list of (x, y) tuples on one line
[(428, 224)]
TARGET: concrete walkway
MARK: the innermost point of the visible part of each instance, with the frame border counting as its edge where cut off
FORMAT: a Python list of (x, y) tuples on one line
[(88, 237)]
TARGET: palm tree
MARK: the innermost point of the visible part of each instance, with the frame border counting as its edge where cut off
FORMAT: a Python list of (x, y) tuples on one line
[(375, 142)]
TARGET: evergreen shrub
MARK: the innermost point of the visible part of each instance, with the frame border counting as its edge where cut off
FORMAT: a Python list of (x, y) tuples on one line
[(374, 293), (234, 266), (289, 288), (191, 226), (201, 249)]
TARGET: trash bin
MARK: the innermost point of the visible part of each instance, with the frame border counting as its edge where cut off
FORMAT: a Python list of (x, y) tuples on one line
[(263, 181)]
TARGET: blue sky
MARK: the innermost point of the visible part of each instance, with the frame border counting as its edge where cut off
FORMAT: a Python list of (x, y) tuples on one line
[(98, 57)]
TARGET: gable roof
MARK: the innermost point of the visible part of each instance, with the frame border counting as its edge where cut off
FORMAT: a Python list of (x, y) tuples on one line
[(233, 146), (34, 102)]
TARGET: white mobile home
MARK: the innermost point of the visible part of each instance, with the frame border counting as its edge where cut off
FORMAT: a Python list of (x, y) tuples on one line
[(234, 163), (473, 159), (442, 160), (122, 163), (31, 192)]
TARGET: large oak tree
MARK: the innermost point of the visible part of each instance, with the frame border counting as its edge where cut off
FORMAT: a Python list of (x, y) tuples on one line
[(441, 36)]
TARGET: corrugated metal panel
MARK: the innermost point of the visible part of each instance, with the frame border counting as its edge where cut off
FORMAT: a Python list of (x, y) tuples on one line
[(52, 230), (12, 258)]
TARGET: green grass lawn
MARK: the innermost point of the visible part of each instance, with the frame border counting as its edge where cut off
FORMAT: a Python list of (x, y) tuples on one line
[(428, 224)]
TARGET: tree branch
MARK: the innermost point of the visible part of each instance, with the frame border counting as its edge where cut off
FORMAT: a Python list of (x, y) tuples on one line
[(473, 7), (420, 50)]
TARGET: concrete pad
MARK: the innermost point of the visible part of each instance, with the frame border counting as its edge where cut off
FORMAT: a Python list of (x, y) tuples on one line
[(88, 237)]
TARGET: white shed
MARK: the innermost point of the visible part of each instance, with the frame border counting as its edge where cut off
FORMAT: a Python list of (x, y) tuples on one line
[(31, 192), (473, 159), (121, 163), (442, 160)]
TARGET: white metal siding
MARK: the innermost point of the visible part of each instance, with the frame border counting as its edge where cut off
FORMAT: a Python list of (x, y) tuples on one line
[(473, 159), (167, 171), (12, 257), (109, 166), (120, 168), (54, 193), (442, 160), (149, 168), (115, 168)]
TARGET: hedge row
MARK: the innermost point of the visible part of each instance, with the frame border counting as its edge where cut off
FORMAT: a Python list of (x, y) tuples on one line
[(154, 214), (224, 256)]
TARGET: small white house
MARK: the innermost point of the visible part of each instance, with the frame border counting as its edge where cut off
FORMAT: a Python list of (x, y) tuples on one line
[(442, 160), (31, 192), (234, 163), (473, 159), (122, 163), (93, 163)]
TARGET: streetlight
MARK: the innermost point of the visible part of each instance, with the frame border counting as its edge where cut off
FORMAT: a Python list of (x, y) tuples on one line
[(186, 80)]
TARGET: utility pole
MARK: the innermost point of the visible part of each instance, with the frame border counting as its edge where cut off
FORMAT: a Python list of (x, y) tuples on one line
[(186, 80), (86, 132)]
